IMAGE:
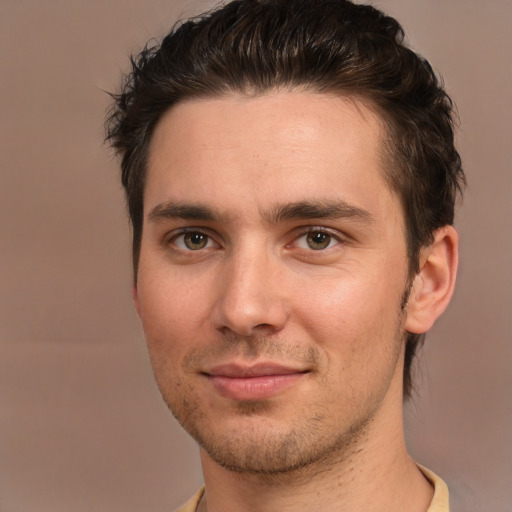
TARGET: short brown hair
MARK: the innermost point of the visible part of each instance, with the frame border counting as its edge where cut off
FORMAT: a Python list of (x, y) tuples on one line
[(331, 46)]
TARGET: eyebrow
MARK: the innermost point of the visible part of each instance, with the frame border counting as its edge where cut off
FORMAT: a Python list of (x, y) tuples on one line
[(325, 209), (300, 210), (171, 210)]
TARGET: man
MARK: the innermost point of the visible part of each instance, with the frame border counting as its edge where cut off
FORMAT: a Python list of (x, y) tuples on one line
[(291, 178)]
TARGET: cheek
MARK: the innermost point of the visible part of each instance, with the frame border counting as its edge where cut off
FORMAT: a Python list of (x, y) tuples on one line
[(338, 307), (171, 314), (355, 321)]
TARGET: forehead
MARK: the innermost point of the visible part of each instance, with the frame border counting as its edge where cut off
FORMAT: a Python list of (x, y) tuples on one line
[(287, 145)]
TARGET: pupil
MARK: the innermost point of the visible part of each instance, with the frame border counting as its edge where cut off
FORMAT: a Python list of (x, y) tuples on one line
[(195, 240), (318, 240)]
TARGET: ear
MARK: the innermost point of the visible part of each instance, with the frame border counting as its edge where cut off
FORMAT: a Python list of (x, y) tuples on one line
[(433, 285)]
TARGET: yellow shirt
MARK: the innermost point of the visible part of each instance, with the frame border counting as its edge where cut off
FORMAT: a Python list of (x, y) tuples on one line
[(440, 502)]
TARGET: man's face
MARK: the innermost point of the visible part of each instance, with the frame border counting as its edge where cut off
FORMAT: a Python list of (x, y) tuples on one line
[(272, 271)]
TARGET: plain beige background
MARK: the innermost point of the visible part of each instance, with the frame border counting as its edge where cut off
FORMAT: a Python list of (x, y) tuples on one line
[(82, 426)]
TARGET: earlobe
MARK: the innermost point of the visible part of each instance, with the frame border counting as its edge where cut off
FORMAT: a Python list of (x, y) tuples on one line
[(433, 286)]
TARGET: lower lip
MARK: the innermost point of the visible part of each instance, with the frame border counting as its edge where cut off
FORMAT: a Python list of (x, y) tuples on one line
[(253, 388)]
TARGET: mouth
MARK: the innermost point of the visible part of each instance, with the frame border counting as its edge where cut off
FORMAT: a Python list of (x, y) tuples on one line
[(252, 383)]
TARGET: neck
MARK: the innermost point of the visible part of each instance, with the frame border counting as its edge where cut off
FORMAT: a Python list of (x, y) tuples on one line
[(374, 474)]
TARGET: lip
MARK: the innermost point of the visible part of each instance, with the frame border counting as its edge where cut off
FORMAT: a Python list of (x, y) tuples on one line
[(257, 382)]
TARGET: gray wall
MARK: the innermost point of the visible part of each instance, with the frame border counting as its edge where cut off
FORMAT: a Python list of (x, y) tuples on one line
[(82, 427)]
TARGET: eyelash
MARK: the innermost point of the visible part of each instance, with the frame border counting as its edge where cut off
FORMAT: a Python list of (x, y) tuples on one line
[(332, 241), (183, 234)]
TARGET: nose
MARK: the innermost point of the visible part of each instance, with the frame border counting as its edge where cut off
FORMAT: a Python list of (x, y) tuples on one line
[(251, 299)]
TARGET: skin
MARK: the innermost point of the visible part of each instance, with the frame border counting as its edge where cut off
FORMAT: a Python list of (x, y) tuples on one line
[(272, 277)]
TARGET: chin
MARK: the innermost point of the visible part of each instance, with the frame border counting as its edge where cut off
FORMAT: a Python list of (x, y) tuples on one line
[(259, 446)]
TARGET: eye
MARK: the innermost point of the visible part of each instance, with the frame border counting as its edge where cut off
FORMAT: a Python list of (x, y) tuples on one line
[(316, 240), (192, 241)]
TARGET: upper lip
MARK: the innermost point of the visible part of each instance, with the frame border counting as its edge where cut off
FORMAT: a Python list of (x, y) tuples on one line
[(257, 370)]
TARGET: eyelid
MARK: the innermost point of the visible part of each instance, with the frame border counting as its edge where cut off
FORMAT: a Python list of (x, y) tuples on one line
[(171, 236), (298, 233), (336, 235)]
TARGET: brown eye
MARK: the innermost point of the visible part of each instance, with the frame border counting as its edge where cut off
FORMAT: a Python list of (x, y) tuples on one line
[(318, 240), (195, 241)]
